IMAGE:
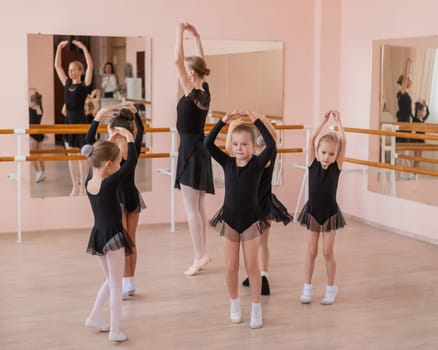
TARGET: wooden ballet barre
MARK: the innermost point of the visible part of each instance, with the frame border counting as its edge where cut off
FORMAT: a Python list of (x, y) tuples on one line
[(219, 114), (289, 150), (391, 167), (70, 150), (419, 159), (413, 146), (144, 102), (392, 133), (208, 127), (75, 157), (411, 126)]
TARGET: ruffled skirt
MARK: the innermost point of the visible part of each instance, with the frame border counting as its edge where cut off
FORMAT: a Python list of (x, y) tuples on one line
[(110, 238), (332, 223)]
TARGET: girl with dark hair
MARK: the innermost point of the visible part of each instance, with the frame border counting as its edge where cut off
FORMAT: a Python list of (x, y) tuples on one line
[(129, 196), (194, 174), (404, 101), (75, 94)]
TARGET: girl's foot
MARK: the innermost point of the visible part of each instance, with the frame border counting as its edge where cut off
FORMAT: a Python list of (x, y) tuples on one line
[(101, 325), (256, 316), (112, 336), (128, 289), (194, 269), (330, 295), (306, 294), (74, 191), (204, 261), (235, 311)]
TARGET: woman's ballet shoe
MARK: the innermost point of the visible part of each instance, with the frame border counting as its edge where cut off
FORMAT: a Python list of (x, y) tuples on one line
[(194, 269), (204, 261), (117, 336), (101, 325)]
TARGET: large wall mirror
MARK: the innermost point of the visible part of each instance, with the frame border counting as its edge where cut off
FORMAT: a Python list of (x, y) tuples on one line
[(248, 75), (130, 58), (416, 58)]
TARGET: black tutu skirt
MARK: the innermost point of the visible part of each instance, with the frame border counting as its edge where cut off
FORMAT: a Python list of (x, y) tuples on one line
[(274, 210), (113, 237), (131, 203), (194, 167), (218, 224), (75, 140), (333, 223)]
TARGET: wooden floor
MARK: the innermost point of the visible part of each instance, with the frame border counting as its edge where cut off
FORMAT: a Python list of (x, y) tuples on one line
[(388, 294)]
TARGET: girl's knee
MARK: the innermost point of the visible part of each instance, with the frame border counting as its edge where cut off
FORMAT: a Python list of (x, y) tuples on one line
[(328, 254), (312, 253)]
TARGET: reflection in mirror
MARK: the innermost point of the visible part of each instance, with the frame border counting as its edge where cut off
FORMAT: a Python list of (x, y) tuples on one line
[(408, 88), (121, 69), (246, 75)]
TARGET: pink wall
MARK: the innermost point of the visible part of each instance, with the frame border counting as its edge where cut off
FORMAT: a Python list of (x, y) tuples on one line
[(363, 22), (290, 21)]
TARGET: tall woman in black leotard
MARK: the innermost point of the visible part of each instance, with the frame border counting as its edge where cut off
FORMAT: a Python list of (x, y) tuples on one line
[(194, 175), (108, 238), (404, 101), (75, 94), (241, 212), (129, 195)]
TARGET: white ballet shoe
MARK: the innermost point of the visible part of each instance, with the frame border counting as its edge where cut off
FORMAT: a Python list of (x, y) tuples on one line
[(330, 295), (118, 337), (235, 312), (101, 325), (204, 261)]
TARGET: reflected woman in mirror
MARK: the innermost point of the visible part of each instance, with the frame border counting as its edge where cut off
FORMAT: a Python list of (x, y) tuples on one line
[(194, 174), (420, 116), (75, 94), (404, 100), (109, 80), (124, 116), (36, 140)]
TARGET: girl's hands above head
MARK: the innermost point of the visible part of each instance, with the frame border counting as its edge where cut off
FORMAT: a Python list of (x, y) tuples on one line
[(63, 44), (125, 133), (336, 115), (251, 115), (191, 28), (105, 111), (79, 44), (180, 27)]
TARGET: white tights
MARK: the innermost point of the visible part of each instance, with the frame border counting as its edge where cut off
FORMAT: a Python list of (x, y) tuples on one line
[(113, 265), (195, 210)]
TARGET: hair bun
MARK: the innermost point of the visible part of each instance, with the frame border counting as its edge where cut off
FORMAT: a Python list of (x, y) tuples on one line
[(126, 113), (207, 71), (86, 150)]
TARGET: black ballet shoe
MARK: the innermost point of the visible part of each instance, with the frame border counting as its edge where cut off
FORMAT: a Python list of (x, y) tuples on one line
[(265, 286), (245, 283)]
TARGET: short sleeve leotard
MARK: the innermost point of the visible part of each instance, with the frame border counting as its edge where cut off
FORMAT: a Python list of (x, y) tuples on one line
[(35, 118), (74, 97), (404, 113), (241, 205), (321, 213), (108, 232), (129, 195), (194, 162)]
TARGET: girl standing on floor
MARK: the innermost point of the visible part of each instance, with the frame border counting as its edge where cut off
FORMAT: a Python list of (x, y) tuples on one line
[(241, 213), (130, 198), (36, 140), (194, 173), (108, 238), (321, 214)]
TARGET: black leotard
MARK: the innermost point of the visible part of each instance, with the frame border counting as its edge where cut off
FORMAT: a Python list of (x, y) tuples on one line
[(129, 195), (35, 118), (74, 97), (108, 232), (241, 209), (194, 162), (321, 212)]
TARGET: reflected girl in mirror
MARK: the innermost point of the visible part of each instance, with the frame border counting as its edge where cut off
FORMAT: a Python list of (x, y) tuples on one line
[(404, 100), (420, 116), (75, 94), (194, 174), (36, 140)]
